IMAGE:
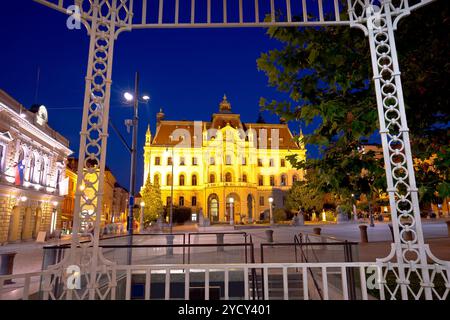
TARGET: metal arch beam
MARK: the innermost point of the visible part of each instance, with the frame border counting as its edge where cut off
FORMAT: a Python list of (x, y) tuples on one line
[(106, 18), (152, 14)]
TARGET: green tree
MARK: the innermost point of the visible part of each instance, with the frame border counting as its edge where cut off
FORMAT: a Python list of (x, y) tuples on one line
[(307, 197), (151, 195), (326, 73)]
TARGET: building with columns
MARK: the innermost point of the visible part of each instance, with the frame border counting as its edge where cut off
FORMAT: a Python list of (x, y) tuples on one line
[(222, 166), (32, 171)]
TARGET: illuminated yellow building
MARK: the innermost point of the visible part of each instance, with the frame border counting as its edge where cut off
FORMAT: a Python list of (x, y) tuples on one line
[(223, 165)]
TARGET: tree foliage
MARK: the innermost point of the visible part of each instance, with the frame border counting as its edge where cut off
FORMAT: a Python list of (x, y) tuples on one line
[(326, 73), (151, 195), (300, 196)]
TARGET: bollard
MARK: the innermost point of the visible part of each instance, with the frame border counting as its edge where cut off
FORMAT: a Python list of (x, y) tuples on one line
[(220, 242), (7, 265), (169, 250), (269, 235), (317, 231), (363, 233), (448, 227)]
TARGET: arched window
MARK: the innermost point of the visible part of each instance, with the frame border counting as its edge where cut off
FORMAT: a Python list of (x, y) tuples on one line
[(283, 180), (181, 180), (156, 179), (272, 181), (194, 180), (169, 180), (294, 178), (260, 180), (181, 201), (212, 178), (244, 178), (228, 177), (31, 167), (228, 160), (41, 171)]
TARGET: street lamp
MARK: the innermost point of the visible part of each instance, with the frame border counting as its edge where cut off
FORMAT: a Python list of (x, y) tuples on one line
[(270, 210), (141, 222), (171, 194), (231, 200), (132, 98), (355, 215)]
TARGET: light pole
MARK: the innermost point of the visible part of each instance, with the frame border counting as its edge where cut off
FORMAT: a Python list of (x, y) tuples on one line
[(270, 210), (134, 122), (141, 222), (355, 215), (231, 200), (130, 98), (171, 194)]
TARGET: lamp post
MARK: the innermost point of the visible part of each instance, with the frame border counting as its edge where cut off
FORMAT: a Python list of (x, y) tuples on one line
[(141, 222), (171, 195), (134, 122), (270, 210), (231, 211), (355, 215)]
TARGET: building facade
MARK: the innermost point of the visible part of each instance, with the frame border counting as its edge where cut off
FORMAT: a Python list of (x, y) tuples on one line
[(114, 197), (223, 166), (32, 165)]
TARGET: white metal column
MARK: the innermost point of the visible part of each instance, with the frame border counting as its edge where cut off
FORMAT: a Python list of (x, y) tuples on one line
[(401, 184)]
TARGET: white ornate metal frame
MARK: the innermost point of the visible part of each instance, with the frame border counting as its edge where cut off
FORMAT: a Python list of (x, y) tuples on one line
[(106, 19)]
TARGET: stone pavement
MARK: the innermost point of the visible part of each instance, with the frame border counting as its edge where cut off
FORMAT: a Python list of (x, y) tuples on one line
[(29, 254)]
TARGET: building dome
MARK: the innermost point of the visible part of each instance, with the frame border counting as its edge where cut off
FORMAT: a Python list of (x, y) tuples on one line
[(225, 106)]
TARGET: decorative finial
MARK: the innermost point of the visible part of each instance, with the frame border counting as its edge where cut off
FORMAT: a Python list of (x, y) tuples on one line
[(225, 106)]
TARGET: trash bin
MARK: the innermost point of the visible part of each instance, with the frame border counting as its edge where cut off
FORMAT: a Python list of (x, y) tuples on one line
[(363, 233), (169, 250), (269, 235), (220, 242), (7, 265)]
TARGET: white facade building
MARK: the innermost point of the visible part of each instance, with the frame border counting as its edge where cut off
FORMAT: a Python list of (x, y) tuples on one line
[(32, 171)]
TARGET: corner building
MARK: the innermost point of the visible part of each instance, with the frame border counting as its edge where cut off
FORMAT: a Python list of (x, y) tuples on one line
[(222, 166)]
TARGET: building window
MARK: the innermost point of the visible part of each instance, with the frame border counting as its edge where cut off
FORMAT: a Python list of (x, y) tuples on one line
[(194, 180), (212, 161), (181, 201), (169, 180), (182, 161), (271, 163), (182, 180), (283, 180), (272, 181), (168, 201), (261, 201), (31, 168), (260, 163), (194, 161), (194, 201), (294, 178), (228, 160), (157, 161), (283, 162), (156, 179), (228, 177), (244, 161), (169, 161), (212, 178), (244, 178), (2, 156), (261, 180)]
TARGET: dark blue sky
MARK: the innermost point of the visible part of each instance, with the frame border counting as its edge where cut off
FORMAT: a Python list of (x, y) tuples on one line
[(186, 72)]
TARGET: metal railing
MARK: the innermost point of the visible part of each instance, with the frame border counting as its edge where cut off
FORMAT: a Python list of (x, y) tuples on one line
[(120, 287)]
